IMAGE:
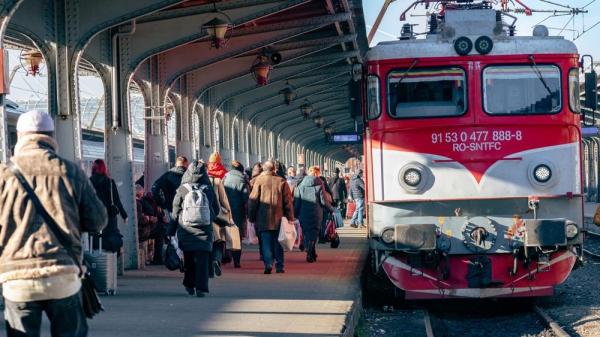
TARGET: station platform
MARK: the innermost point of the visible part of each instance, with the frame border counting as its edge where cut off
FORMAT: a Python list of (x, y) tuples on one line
[(318, 299)]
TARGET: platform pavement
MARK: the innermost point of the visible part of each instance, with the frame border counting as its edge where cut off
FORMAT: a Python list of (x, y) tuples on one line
[(308, 300)]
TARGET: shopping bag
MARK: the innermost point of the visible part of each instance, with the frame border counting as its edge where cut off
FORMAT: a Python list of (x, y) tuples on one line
[(232, 233), (337, 217), (287, 234), (299, 244), (251, 238)]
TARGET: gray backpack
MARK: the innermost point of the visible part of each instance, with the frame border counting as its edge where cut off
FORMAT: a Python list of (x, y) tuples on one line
[(196, 207)]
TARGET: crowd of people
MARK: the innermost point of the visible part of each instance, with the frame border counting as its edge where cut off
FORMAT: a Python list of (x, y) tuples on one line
[(199, 204)]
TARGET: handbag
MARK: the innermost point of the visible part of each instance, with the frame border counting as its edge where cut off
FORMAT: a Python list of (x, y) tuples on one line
[(89, 297), (172, 259)]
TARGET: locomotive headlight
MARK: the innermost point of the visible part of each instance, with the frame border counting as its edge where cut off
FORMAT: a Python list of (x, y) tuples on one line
[(415, 177), (542, 173), (387, 235), (412, 177), (572, 230)]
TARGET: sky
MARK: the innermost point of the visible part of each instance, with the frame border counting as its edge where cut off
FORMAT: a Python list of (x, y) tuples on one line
[(25, 87), (587, 43)]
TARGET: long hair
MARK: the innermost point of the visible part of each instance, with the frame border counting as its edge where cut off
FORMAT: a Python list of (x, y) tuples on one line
[(99, 167)]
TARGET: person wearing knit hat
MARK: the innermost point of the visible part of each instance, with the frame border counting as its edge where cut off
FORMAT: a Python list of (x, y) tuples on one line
[(216, 173), (35, 121), (46, 277)]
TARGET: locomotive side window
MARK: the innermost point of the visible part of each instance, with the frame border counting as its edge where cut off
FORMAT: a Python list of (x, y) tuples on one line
[(427, 92), (373, 97), (574, 99), (521, 90)]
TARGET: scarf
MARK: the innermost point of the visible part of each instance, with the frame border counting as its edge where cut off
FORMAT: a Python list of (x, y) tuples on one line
[(216, 170)]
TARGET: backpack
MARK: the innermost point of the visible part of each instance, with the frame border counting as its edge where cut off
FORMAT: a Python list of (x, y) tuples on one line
[(196, 207)]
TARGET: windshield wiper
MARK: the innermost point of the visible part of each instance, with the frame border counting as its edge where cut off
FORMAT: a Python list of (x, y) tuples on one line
[(414, 63), (539, 74)]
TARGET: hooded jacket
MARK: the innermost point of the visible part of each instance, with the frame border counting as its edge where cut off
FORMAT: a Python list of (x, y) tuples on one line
[(309, 203), (165, 187), (357, 187), (236, 189), (196, 239), (28, 249)]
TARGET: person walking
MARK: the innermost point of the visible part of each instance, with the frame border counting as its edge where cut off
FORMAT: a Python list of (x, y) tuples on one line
[(291, 178), (107, 192), (310, 203), (165, 187), (216, 173), (270, 200), (357, 193), (338, 191), (237, 192), (37, 273), (255, 172), (195, 237)]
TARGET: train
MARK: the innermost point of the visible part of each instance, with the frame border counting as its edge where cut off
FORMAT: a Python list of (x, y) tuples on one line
[(473, 157), (92, 143)]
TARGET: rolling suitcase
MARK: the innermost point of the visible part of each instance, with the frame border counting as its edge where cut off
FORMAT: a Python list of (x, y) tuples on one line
[(103, 267), (350, 209)]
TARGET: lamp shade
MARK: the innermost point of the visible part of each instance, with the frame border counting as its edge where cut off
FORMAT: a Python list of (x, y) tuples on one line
[(217, 29)]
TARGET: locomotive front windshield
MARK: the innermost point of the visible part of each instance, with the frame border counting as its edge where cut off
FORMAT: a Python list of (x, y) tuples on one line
[(431, 92), (521, 90)]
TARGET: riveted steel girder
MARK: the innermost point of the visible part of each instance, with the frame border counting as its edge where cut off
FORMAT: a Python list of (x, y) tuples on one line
[(7, 10)]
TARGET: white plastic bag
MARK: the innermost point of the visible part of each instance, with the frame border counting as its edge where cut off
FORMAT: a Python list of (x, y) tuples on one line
[(175, 244), (250, 238), (299, 237), (287, 234)]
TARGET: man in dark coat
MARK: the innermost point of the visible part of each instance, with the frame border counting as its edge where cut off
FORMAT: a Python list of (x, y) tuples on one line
[(310, 204), (270, 200), (237, 192), (357, 193), (195, 242), (338, 191), (165, 187)]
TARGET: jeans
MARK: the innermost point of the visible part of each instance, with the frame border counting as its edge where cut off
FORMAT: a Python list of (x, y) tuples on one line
[(357, 217), (271, 249), (24, 319), (196, 266)]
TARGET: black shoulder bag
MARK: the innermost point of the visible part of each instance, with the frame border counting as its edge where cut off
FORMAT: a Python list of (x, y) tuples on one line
[(89, 298)]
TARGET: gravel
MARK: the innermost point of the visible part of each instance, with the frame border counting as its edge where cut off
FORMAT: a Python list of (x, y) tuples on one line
[(576, 306)]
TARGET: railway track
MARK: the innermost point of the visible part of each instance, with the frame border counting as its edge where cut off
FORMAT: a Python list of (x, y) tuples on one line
[(592, 245), (526, 323)]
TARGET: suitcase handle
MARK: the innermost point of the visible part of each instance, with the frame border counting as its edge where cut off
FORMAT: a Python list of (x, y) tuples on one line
[(91, 242)]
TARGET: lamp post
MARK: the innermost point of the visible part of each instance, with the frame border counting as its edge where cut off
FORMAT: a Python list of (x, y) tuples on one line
[(219, 28)]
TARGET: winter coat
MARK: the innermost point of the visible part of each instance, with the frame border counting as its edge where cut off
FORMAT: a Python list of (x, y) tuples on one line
[(309, 204), (103, 185), (338, 189), (357, 187), (27, 249), (165, 187), (219, 232), (198, 239), (236, 189), (270, 200)]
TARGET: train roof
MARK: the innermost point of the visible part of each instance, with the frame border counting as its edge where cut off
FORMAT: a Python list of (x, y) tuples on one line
[(471, 24), (514, 45)]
